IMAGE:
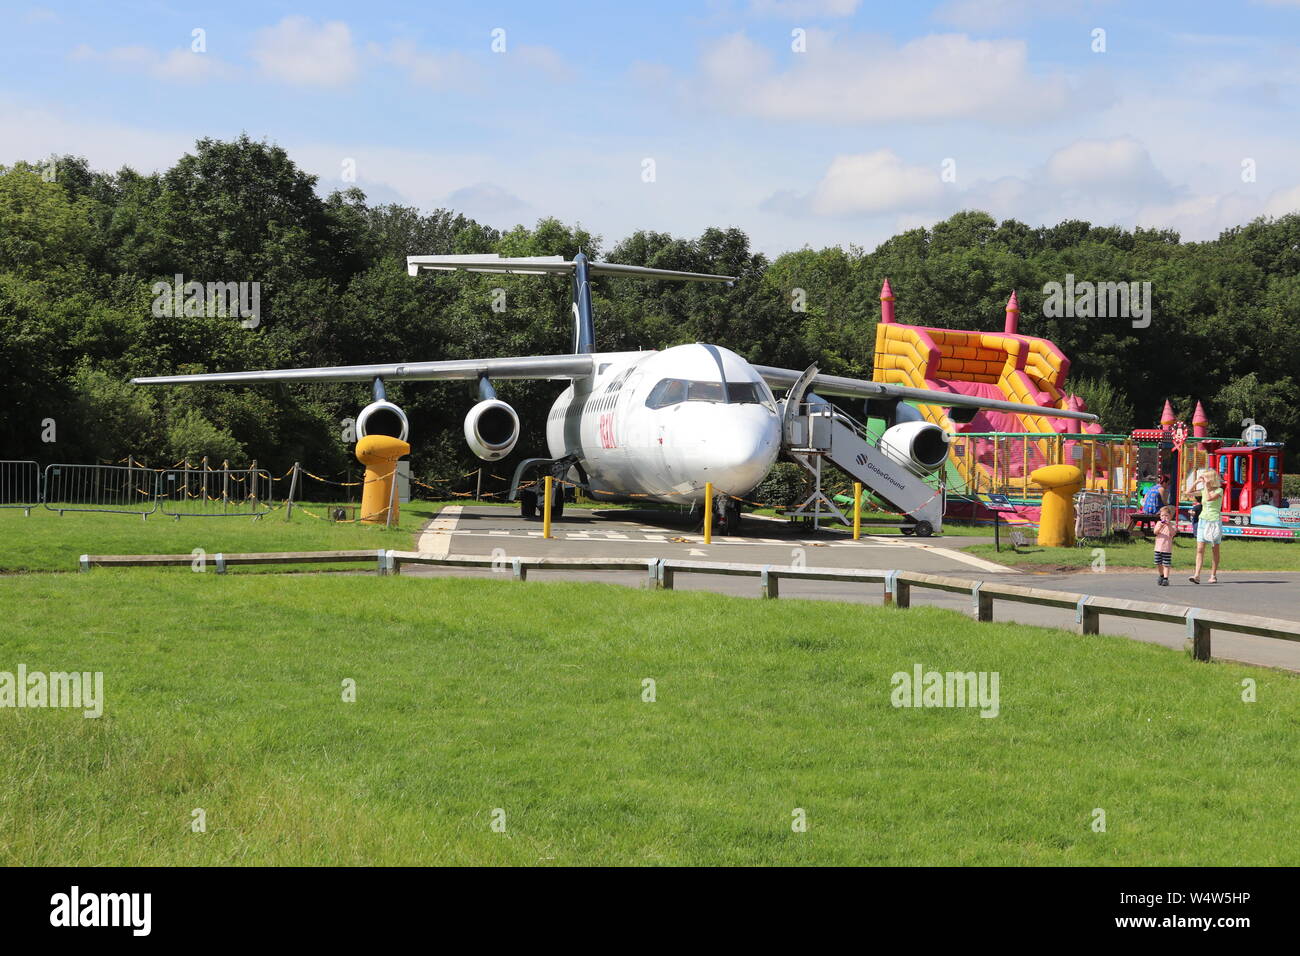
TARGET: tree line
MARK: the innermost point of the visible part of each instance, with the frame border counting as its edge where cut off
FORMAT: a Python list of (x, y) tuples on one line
[(84, 254)]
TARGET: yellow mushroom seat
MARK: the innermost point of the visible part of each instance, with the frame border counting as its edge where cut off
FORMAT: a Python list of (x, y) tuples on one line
[(1056, 522), (379, 453)]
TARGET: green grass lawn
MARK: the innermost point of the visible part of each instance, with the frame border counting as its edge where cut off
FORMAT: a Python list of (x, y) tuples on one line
[(224, 693), (1235, 555), (47, 541)]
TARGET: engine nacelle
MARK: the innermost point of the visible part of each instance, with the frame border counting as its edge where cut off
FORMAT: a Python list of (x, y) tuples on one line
[(491, 429), (919, 444), (382, 417)]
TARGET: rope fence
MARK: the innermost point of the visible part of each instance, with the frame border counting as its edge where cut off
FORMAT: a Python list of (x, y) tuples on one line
[(186, 489)]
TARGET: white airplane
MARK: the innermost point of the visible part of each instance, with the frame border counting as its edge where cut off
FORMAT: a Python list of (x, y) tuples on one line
[(638, 426)]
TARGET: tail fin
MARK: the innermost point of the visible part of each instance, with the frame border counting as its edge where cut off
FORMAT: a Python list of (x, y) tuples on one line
[(584, 322)]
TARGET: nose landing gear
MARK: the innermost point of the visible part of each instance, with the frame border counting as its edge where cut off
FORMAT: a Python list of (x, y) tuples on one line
[(531, 506), (726, 512)]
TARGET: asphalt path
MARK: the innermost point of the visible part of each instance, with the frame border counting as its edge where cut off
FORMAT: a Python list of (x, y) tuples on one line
[(489, 531)]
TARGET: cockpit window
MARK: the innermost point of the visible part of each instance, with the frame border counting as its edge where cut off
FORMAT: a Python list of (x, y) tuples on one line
[(671, 391)]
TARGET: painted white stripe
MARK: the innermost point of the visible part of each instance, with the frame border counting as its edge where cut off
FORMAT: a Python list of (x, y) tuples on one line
[(962, 556), (435, 539)]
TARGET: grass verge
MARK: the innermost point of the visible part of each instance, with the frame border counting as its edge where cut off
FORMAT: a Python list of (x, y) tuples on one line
[(224, 693)]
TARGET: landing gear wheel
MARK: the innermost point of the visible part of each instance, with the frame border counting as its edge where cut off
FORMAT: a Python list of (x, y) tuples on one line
[(728, 512), (924, 529), (557, 502), (528, 504)]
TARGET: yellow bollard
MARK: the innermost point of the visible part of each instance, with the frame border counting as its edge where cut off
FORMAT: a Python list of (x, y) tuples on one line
[(857, 510), (708, 512), (379, 453), (546, 508), (1056, 521)]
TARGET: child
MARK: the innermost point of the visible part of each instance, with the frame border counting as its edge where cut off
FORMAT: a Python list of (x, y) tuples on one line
[(1164, 530)]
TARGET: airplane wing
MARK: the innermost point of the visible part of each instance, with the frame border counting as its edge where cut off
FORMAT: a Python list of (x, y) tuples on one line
[(523, 367), (861, 388)]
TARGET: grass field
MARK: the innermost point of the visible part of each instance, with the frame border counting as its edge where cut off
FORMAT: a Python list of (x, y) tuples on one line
[(224, 693), (47, 541), (1235, 555)]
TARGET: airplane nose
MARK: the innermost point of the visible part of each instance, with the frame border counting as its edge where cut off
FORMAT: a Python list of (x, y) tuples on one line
[(741, 452)]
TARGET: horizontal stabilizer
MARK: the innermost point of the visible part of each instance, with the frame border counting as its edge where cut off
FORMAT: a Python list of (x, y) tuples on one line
[(548, 265)]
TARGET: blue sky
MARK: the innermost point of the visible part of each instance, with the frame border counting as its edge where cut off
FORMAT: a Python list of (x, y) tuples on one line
[(803, 122)]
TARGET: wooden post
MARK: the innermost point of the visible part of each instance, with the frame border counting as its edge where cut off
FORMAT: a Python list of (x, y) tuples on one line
[(708, 512), (1199, 632), (857, 510), (392, 497), (252, 484), (225, 483), (293, 488), (1089, 619), (478, 486), (546, 507)]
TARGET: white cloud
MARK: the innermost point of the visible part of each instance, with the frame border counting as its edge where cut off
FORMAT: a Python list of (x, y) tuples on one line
[(868, 80), (873, 183), (983, 14), (40, 15), (804, 8), (1114, 167), (1283, 201), (424, 68), (486, 202), (439, 69), (299, 52), (182, 65), (543, 59)]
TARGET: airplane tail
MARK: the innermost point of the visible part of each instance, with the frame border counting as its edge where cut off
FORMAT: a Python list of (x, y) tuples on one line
[(582, 269)]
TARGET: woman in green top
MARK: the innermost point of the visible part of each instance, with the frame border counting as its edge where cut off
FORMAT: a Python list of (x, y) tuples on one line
[(1209, 530)]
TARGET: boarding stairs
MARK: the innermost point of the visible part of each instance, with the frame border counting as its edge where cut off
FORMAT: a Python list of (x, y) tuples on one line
[(817, 432)]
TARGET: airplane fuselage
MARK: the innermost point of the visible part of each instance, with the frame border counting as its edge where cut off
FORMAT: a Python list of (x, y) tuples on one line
[(658, 425)]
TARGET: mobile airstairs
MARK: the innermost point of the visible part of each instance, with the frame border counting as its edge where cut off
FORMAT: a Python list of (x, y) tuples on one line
[(815, 432)]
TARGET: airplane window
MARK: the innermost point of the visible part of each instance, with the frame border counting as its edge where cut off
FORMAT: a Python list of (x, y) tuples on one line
[(744, 393), (671, 391), (704, 392)]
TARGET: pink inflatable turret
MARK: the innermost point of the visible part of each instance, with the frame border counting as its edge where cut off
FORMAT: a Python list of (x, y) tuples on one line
[(1200, 422)]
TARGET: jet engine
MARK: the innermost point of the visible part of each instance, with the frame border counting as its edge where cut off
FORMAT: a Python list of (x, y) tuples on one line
[(919, 445), (382, 417), (491, 429)]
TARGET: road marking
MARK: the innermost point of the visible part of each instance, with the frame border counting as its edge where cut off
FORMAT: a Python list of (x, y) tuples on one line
[(435, 540), (599, 538), (961, 556)]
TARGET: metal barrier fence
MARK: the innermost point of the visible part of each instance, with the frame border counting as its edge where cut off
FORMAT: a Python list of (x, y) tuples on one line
[(1000, 463), (215, 492), (118, 489), (20, 484)]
